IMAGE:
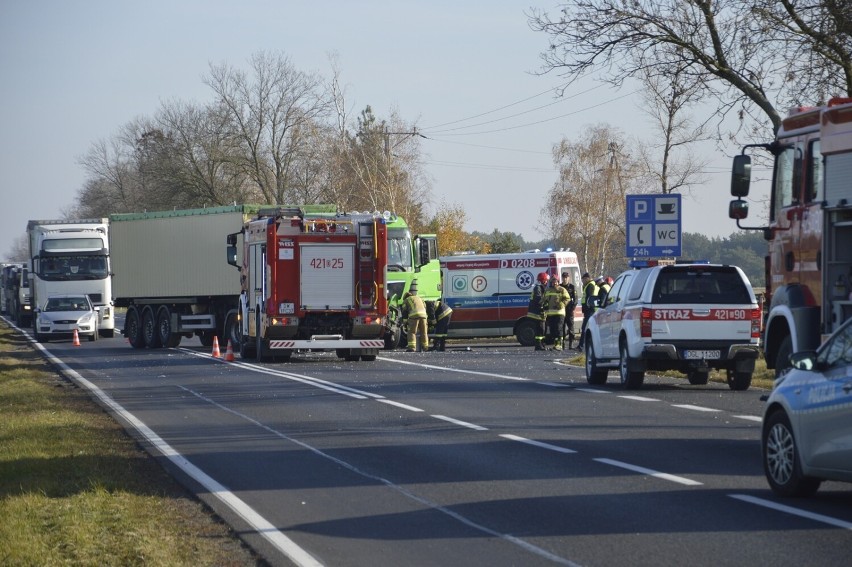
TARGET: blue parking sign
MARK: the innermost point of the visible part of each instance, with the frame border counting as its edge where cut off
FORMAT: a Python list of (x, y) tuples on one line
[(653, 225)]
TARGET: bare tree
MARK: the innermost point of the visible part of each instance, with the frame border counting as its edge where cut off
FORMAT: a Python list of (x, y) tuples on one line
[(666, 100), (585, 207), (737, 52), (271, 116)]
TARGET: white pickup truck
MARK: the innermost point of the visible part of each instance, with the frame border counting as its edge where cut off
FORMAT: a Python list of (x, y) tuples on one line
[(685, 317)]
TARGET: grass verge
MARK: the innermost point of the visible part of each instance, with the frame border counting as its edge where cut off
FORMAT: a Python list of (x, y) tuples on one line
[(75, 489), (763, 377)]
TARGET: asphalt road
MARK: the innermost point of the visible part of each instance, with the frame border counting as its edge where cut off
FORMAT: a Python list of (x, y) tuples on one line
[(497, 455)]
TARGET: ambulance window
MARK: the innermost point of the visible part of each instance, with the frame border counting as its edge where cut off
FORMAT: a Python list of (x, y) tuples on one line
[(814, 183)]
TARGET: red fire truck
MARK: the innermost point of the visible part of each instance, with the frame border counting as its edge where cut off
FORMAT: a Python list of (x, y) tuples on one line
[(311, 281), (809, 264)]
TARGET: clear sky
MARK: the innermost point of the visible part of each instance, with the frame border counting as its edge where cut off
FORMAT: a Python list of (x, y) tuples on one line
[(75, 71)]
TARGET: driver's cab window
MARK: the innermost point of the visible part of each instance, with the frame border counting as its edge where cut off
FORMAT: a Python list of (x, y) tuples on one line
[(614, 295), (814, 182), (782, 195)]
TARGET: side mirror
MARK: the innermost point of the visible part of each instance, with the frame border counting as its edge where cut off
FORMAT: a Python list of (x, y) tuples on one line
[(738, 209), (805, 360), (740, 175)]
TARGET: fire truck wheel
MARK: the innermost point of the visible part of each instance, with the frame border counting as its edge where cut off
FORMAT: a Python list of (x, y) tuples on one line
[(368, 357), (782, 359), (246, 348), (207, 338)]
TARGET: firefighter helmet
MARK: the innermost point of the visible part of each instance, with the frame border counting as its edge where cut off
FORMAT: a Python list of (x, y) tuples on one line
[(609, 280), (543, 277)]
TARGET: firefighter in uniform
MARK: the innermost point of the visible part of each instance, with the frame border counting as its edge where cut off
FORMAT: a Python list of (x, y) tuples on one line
[(535, 311), (590, 293), (556, 299), (414, 309), (568, 332), (442, 315)]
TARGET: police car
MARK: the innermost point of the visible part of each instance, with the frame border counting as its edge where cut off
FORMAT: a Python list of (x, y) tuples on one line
[(807, 424), (686, 317)]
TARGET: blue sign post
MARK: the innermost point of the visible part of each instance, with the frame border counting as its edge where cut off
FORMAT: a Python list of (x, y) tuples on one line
[(653, 226)]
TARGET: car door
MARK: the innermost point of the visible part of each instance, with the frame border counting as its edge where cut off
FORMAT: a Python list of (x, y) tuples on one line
[(827, 426), (611, 314)]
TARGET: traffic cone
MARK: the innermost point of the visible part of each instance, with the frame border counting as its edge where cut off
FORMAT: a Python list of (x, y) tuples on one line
[(216, 353), (76, 338), (229, 352)]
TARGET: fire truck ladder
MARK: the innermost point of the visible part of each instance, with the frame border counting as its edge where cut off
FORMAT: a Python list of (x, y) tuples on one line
[(366, 288)]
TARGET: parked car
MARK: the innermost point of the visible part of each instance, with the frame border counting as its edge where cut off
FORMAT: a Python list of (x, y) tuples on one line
[(686, 317), (61, 314), (807, 424)]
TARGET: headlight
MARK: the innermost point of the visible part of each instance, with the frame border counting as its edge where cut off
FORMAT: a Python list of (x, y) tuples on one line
[(86, 319)]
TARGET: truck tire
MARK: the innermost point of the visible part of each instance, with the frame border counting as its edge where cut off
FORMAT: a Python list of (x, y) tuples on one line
[(392, 338), (739, 381), (630, 379), (782, 358), (107, 333), (698, 377), (246, 348), (164, 328), (206, 338), (149, 329), (133, 328), (232, 330), (594, 375), (525, 332)]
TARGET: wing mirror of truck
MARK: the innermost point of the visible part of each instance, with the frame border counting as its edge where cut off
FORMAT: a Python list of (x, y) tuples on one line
[(738, 209), (231, 249), (740, 176)]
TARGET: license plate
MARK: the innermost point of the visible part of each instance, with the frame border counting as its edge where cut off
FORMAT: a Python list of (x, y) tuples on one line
[(701, 354)]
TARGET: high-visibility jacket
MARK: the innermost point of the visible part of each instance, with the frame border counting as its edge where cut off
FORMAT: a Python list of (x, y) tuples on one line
[(556, 298), (413, 307), (536, 306), (590, 292)]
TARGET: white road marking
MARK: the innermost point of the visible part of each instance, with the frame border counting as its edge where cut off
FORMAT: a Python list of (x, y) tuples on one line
[(405, 492), (399, 405), (554, 384), (795, 511), (261, 525), (651, 472), (639, 398), (537, 443), (319, 383), (750, 417), (692, 407), (592, 391), (462, 423), (459, 370)]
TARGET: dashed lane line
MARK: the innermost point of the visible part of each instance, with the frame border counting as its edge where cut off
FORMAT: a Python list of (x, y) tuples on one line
[(539, 444), (794, 511), (650, 472), (461, 423), (695, 408)]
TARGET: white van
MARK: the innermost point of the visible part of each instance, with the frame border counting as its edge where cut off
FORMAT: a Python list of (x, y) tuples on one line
[(490, 293)]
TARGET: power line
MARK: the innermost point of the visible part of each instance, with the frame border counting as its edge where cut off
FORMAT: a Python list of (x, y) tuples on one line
[(537, 122), (496, 109)]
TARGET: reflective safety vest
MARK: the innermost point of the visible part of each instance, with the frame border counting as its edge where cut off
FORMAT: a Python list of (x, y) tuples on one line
[(556, 298)]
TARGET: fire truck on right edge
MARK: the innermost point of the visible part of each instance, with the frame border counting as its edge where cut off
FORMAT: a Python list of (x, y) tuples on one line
[(809, 263)]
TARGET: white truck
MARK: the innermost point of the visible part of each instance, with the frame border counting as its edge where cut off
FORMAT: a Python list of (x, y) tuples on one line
[(15, 290), (72, 256), (685, 317), (489, 293), (170, 272)]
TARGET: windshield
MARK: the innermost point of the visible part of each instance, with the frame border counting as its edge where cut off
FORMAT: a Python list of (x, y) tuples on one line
[(399, 251), (67, 304), (73, 268)]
